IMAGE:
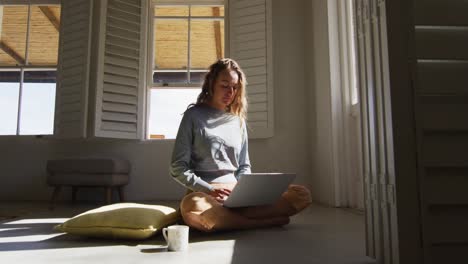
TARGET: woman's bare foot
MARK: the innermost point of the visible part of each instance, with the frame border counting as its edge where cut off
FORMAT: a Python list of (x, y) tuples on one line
[(298, 197)]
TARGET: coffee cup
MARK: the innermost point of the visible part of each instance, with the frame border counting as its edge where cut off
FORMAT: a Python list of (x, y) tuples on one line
[(177, 237)]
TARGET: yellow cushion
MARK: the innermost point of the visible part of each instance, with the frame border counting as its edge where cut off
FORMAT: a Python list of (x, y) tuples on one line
[(122, 220)]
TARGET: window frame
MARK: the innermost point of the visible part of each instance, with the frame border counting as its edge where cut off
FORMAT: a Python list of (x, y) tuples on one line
[(151, 36), (25, 67), (151, 49)]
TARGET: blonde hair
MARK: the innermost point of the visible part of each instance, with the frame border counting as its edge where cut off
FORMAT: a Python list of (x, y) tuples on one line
[(239, 103)]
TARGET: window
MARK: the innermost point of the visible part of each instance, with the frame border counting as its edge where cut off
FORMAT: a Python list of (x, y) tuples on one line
[(186, 40), (107, 80), (28, 60)]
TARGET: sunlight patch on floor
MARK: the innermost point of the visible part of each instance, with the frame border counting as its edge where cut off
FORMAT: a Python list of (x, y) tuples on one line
[(215, 250), (37, 221), (225, 243), (14, 228), (30, 238)]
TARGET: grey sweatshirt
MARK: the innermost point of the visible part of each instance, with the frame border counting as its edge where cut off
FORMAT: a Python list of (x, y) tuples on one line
[(211, 146)]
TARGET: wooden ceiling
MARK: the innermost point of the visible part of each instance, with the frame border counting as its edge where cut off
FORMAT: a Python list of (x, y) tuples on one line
[(43, 37), (171, 37)]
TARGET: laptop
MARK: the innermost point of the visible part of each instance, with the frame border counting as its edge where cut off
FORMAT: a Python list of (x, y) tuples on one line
[(256, 189)]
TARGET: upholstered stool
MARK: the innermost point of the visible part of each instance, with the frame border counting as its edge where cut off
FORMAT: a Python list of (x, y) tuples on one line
[(88, 172)]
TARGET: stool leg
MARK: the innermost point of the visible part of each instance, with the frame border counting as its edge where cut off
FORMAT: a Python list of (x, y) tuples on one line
[(121, 194), (74, 191), (54, 197), (108, 195)]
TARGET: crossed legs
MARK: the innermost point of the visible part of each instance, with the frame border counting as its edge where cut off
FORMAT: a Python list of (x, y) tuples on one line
[(201, 211)]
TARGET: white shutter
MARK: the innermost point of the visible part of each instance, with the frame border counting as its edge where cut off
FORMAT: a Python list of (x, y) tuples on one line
[(385, 162), (362, 17), (250, 41), (73, 69), (380, 200), (388, 183), (120, 84)]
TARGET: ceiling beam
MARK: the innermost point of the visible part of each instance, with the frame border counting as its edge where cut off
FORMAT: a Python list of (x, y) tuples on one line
[(217, 32), (50, 15), (8, 50)]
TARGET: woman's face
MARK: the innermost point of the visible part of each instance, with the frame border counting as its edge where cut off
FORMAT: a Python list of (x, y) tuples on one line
[(225, 89)]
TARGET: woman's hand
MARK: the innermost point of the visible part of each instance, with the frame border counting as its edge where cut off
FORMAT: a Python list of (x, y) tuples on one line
[(220, 194), (221, 191)]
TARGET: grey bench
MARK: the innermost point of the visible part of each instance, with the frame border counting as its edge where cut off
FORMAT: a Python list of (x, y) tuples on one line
[(107, 173)]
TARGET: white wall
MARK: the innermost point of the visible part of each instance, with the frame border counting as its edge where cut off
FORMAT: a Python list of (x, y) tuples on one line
[(22, 159)]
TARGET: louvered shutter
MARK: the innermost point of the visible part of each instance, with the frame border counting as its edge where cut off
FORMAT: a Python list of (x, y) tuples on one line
[(73, 70), (381, 219), (120, 87), (250, 43), (441, 106), (387, 174), (362, 18)]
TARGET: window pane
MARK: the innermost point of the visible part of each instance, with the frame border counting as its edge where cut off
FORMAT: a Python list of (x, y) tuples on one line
[(178, 77), (214, 11), (197, 77), (171, 11), (44, 35), (38, 103), (207, 43), (169, 77), (171, 41), (13, 35), (9, 94), (166, 109)]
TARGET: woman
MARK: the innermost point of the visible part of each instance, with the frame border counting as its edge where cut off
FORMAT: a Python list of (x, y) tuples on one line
[(211, 151)]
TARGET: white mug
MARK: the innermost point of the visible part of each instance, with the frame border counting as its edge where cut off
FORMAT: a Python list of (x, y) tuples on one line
[(177, 237)]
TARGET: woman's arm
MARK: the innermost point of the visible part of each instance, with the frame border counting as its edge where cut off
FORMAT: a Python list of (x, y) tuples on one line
[(181, 169), (244, 160)]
